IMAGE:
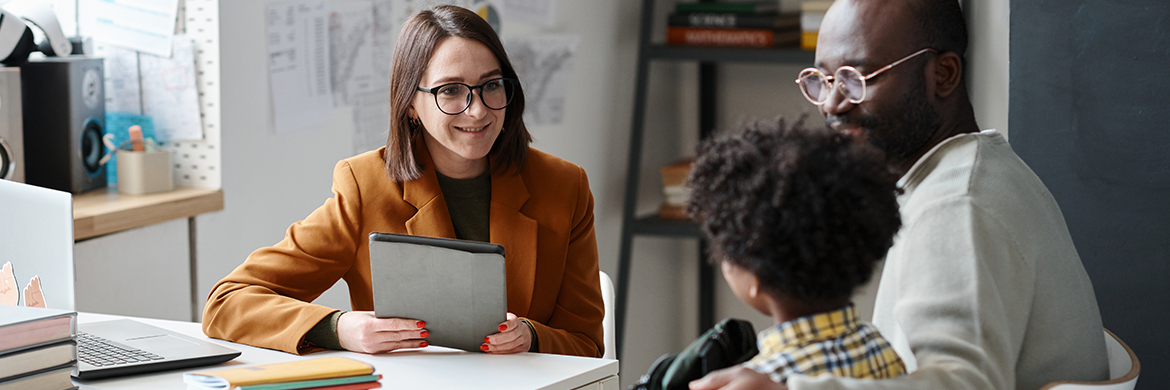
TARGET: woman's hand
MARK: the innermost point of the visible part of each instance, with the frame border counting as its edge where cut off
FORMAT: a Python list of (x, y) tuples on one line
[(514, 337), (360, 331), (735, 378)]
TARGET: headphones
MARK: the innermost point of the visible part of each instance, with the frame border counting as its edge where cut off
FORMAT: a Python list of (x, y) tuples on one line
[(16, 36)]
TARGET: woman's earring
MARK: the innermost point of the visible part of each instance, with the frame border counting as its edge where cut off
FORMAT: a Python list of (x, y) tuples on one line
[(414, 122)]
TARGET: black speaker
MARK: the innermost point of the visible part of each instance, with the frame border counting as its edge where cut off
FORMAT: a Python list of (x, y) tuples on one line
[(64, 115), (11, 127)]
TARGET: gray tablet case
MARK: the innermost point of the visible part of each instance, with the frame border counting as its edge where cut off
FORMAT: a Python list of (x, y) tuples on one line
[(458, 287)]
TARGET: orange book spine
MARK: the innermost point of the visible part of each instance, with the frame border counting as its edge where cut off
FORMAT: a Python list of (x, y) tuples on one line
[(733, 37)]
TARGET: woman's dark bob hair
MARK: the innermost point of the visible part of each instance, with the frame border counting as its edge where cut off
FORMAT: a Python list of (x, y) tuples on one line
[(417, 41)]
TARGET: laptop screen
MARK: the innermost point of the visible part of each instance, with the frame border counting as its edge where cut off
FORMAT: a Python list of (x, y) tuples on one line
[(36, 238)]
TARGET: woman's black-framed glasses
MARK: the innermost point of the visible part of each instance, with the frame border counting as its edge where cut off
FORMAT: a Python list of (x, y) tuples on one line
[(454, 98), (817, 86)]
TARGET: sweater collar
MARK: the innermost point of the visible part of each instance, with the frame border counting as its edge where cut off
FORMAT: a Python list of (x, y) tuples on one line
[(926, 163)]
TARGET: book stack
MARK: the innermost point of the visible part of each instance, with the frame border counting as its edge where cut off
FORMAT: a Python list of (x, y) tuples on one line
[(811, 15), (37, 348), (324, 373), (758, 25), (674, 177)]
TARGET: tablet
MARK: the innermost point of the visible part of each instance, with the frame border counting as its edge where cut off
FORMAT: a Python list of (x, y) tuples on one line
[(458, 287)]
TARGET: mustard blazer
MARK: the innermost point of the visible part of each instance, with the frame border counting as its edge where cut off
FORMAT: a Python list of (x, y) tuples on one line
[(543, 217)]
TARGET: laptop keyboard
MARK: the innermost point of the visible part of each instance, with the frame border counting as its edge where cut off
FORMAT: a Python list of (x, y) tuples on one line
[(100, 352)]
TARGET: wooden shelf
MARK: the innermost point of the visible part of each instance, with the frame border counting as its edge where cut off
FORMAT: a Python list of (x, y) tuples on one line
[(106, 211), (654, 225), (729, 54)]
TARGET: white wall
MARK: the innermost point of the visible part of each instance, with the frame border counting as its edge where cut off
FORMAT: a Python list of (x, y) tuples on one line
[(987, 54)]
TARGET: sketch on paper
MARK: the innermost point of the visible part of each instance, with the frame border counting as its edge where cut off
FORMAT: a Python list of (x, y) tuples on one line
[(544, 64), (298, 64), (351, 64), (169, 93), (539, 12), (488, 9), (123, 93), (361, 37)]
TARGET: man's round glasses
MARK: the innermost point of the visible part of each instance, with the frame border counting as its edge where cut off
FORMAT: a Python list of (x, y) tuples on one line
[(454, 98), (817, 86)]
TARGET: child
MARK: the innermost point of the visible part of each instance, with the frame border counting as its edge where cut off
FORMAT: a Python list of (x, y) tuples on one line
[(798, 219)]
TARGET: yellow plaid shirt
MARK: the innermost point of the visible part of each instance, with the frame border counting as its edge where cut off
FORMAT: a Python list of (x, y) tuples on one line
[(835, 342)]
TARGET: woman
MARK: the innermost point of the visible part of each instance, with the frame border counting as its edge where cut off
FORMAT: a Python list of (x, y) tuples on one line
[(457, 164)]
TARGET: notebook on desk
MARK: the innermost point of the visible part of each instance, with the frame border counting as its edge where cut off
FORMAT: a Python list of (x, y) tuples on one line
[(36, 242), (458, 287)]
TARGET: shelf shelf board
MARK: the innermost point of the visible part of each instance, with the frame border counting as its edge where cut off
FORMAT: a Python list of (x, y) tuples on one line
[(726, 54), (106, 211), (654, 225)]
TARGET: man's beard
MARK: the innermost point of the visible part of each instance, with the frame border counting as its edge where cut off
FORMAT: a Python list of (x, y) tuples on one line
[(903, 135)]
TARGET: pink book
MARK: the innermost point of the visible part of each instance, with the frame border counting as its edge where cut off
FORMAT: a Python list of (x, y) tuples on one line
[(22, 327)]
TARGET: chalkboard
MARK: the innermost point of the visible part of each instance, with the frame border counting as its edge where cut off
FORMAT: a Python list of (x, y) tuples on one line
[(1089, 105)]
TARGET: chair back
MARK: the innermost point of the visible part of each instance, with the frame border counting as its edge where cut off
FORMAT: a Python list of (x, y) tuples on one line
[(607, 321), (1123, 369)]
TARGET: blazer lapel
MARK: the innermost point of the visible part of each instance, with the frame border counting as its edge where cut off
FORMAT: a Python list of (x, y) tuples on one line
[(516, 232), (432, 218)]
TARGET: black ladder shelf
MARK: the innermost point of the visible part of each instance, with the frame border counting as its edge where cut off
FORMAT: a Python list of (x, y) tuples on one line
[(652, 225)]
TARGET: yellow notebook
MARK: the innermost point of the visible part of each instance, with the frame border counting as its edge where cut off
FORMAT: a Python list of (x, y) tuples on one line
[(300, 370)]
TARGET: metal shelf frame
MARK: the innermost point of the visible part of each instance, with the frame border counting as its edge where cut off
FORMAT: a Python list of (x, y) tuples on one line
[(634, 225)]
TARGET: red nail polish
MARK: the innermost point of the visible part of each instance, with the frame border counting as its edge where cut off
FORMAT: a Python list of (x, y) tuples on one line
[(503, 327), (483, 348), (423, 344), (421, 324), (487, 340), (424, 334)]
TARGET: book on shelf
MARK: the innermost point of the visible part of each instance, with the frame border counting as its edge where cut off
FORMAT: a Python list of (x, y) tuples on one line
[(731, 37), (287, 373), (812, 13), (674, 177), (767, 21), (35, 358), (52, 378), (22, 326), (725, 7)]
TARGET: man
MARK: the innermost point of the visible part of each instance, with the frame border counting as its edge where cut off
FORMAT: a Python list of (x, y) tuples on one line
[(983, 288)]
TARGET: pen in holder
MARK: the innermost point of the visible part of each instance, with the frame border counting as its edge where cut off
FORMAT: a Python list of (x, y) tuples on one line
[(143, 168)]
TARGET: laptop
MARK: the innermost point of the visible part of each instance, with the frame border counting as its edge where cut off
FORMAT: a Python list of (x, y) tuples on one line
[(457, 287), (36, 239)]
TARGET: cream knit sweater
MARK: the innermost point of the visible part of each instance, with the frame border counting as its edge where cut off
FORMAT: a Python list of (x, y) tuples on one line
[(983, 288)]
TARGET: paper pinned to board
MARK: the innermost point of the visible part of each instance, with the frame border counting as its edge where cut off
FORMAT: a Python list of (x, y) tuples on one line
[(490, 10), (169, 93), (351, 47), (298, 64), (371, 112), (539, 12), (544, 64), (361, 36), (123, 92), (142, 25)]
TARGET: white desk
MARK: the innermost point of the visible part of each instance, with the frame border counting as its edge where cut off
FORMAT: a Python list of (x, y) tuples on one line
[(428, 368)]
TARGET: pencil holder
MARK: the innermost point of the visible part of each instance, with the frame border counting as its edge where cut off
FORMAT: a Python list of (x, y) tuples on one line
[(144, 172)]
